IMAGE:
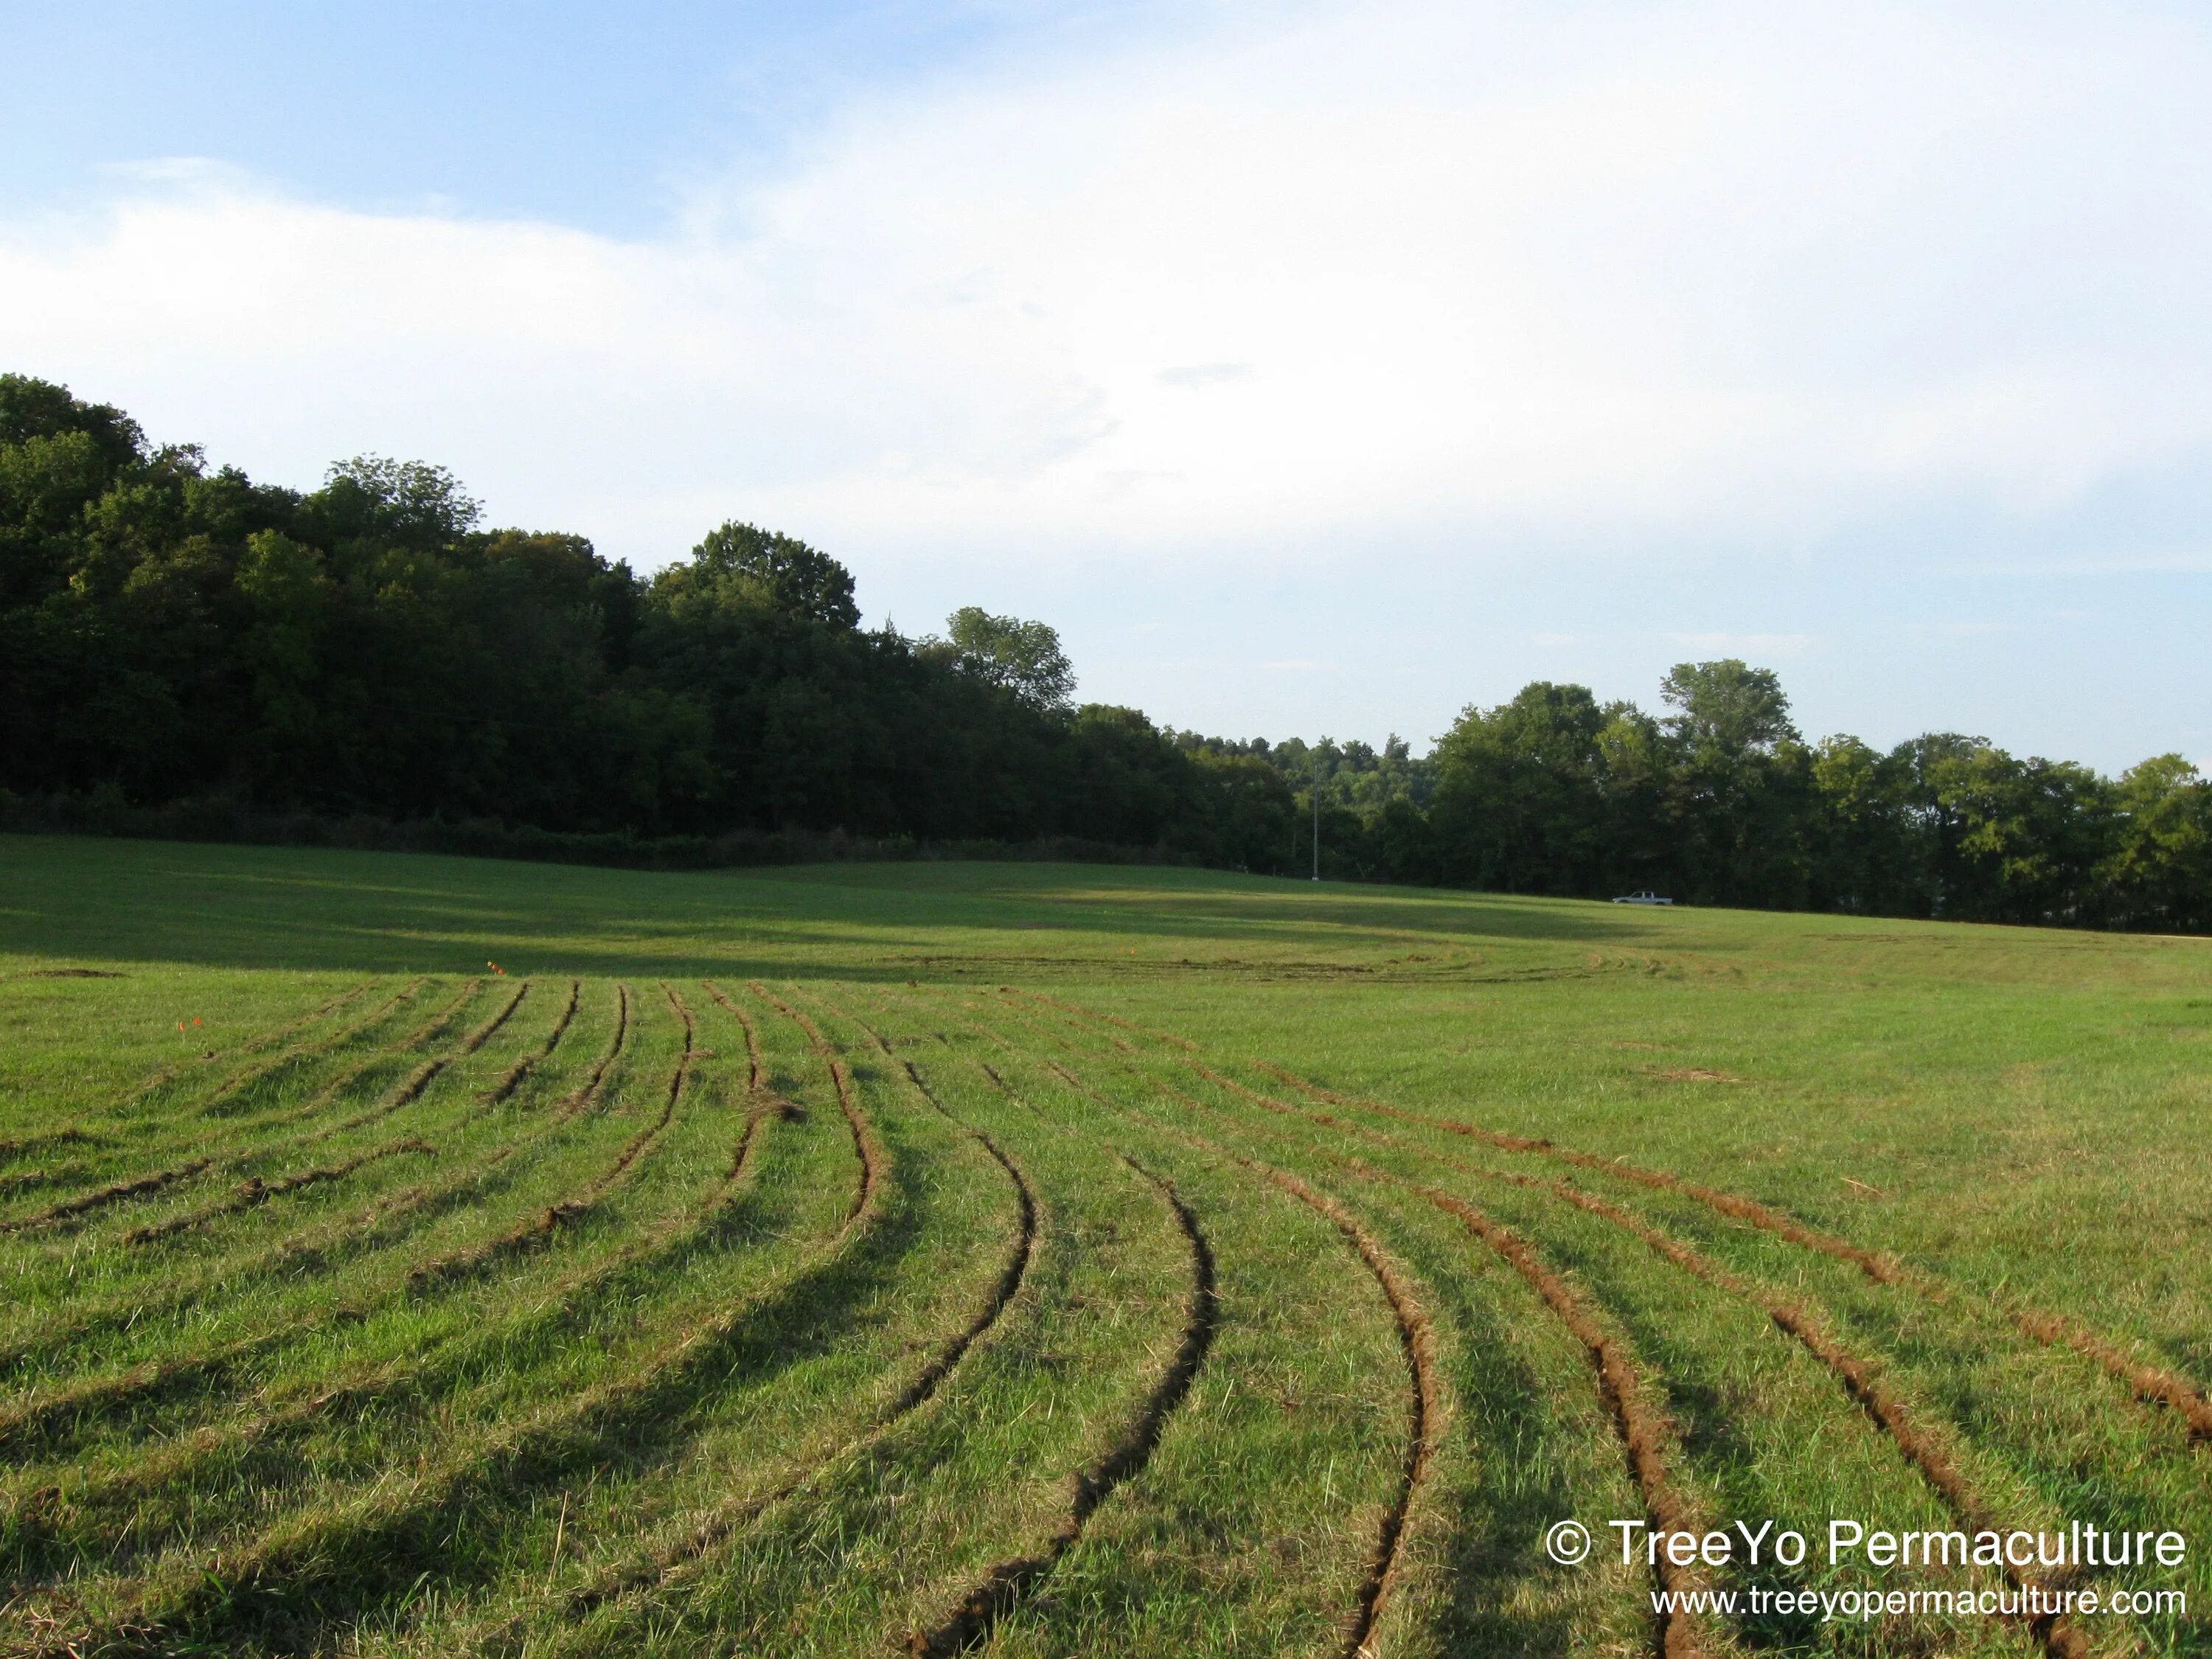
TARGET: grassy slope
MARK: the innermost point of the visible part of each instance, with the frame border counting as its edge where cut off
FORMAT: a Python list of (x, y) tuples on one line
[(2016, 1110)]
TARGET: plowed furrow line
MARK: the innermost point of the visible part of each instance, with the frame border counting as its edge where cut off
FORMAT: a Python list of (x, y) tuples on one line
[(872, 1162), (1921, 1447), (214, 1105), (177, 1601), (586, 1096), (577, 1206), (2152, 1385), (413, 1086), (513, 1078), (120, 1192), (756, 1070), (168, 1075), (717, 1529), (1653, 1444), (416, 1373), (1914, 1442), (1003, 1586), (1416, 1337), (254, 1192), (378, 1223), (155, 1181)]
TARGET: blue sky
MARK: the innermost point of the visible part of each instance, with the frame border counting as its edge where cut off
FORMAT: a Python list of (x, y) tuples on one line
[(1313, 368)]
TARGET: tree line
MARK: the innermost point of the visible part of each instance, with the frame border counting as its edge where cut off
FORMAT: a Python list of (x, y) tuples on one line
[(171, 630)]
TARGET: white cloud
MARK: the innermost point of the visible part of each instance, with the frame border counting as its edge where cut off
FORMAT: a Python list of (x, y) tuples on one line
[(1763, 646), (1705, 269)]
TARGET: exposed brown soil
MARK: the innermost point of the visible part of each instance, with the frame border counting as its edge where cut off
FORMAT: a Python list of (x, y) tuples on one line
[(512, 1078), (1416, 1336), (1691, 1074), (2152, 1384), (1649, 1434), (755, 1068), (254, 1191), (873, 1163), (1003, 1585), (538, 1229), (1859, 1379), (587, 1095), (711, 1532), (215, 1105), (116, 1192)]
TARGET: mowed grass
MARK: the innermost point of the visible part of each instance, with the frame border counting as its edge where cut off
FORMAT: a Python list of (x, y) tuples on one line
[(416, 1255)]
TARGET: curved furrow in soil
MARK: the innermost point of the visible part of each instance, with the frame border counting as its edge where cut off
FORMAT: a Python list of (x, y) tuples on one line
[(154, 1181), (2152, 1385), (1924, 1448), (384, 1221), (1647, 1432), (756, 1072), (215, 1104), (1416, 1338), (388, 1533), (873, 1161), (1003, 1586), (147, 1087), (253, 1190), (1920, 1446), (418, 1373), (512, 1080), (586, 1096), (585, 1201), (666, 1563)]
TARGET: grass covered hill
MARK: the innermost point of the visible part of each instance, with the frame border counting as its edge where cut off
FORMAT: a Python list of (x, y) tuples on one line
[(421, 1255)]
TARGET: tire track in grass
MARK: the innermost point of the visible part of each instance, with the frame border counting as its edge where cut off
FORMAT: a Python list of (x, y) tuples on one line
[(181, 1601), (1416, 1337), (1003, 1586), (2152, 1385), (727, 1520)]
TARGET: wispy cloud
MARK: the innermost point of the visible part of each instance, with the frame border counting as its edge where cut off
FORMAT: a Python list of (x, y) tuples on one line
[(1193, 375), (1745, 645), (1518, 273), (1958, 630)]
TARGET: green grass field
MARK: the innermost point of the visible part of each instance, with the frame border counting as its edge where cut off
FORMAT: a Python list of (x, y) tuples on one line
[(421, 1256)]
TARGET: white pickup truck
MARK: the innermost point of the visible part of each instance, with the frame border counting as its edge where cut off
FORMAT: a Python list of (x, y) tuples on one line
[(1647, 897)]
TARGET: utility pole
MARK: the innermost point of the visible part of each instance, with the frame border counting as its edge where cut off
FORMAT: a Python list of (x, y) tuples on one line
[(1316, 797)]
